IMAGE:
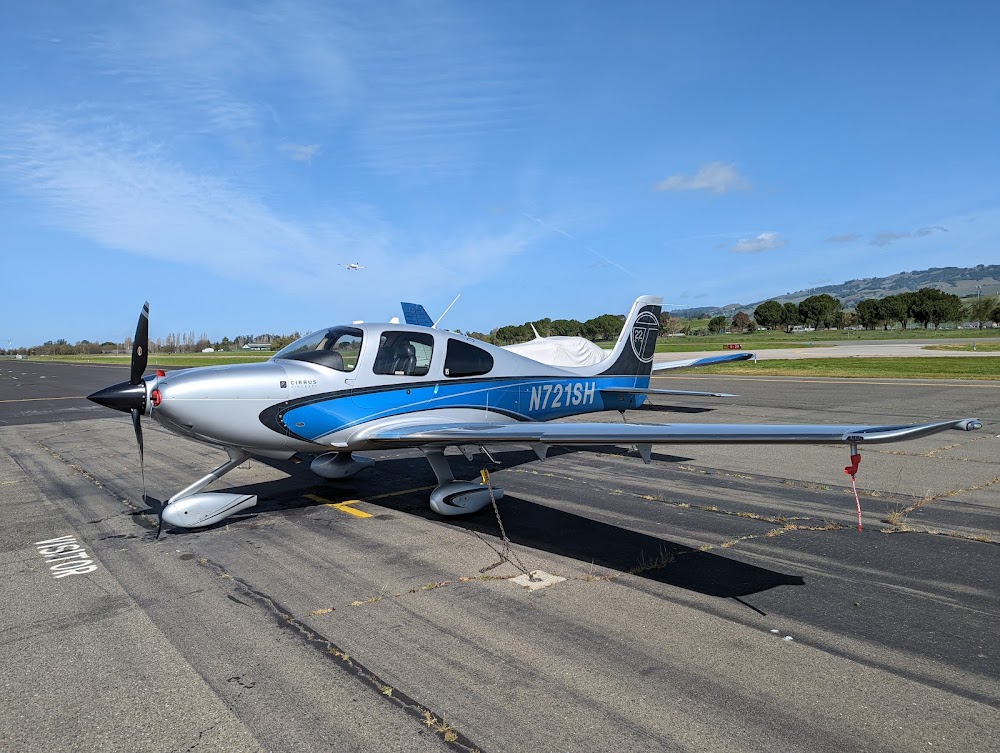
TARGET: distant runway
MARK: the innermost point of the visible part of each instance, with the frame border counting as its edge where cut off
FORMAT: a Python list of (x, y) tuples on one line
[(718, 599), (33, 392), (851, 349)]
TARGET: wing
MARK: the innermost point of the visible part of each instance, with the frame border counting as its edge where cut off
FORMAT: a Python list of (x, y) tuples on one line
[(690, 363), (544, 434)]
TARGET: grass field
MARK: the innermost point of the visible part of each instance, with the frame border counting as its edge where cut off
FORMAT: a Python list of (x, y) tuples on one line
[(881, 368), (166, 360), (987, 347), (771, 340)]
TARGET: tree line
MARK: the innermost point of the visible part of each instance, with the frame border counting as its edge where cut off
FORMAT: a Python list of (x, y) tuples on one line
[(603, 327), (173, 342), (927, 307)]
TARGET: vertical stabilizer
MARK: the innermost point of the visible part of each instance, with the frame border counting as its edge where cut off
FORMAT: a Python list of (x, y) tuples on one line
[(633, 353), (414, 313)]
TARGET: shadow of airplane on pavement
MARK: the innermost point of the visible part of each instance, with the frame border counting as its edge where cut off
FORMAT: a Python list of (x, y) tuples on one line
[(527, 524)]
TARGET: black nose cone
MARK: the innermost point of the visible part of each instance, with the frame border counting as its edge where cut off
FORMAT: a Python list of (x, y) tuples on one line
[(123, 396)]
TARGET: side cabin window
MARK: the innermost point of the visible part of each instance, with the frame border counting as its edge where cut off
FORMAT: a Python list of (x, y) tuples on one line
[(336, 348), (465, 360), (404, 353)]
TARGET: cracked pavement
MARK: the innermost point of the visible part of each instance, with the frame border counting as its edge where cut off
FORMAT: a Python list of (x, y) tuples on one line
[(718, 599)]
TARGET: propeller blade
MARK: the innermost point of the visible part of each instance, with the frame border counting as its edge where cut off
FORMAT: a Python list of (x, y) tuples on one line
[(140, 346), (137, 425)]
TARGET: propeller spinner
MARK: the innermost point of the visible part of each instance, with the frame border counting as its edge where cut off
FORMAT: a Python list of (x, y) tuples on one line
[(131, 395)]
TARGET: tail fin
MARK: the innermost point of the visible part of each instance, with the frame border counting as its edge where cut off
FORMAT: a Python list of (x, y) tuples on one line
[(414, 313), (633, 353)]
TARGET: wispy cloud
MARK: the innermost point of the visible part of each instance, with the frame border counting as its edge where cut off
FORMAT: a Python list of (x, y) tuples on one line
[(886, 237), (762, 242), (843, 238), (301, 152), (439, 88), (410, 88), (715, 177), (108, 186)]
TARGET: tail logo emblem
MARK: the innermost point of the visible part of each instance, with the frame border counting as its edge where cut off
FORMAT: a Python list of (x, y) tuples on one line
[(644, 333)]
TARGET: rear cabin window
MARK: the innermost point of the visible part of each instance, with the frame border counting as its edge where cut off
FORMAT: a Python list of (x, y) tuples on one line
[(464, 360), (404, 353)]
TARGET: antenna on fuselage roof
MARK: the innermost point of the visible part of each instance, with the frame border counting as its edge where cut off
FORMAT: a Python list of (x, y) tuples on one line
[(434, 326)]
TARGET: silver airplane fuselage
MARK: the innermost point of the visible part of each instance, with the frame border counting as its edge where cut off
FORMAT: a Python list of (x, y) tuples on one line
[(284, 406)]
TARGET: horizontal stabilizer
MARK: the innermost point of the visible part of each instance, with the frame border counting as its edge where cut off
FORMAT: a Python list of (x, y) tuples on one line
[(623, 391), (691, 363)]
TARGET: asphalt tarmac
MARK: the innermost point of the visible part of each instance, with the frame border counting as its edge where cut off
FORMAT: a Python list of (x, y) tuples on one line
[(718, 599)]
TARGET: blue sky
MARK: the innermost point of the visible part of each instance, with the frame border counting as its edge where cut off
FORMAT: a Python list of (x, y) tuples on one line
[(542, 159)]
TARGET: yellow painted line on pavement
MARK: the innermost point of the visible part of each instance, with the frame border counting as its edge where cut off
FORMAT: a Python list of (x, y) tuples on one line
[(405, 491), (344, 506)]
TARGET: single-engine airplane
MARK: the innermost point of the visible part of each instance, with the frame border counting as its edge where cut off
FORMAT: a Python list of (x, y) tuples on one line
[(361, 387), (352, 266)]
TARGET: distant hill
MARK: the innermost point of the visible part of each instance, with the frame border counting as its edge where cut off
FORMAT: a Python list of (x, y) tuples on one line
[(961, 281)]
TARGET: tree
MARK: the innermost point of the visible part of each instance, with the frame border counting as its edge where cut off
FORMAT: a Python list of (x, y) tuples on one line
[(543, 326), (742, 322), (513, 334), (820, 310), (669, 325), (566, 327), (790, 316), (948, 309), (717, 324), (896, 308), (603, 327), (768, 314), (871, 313), (981, 310), (933, 306)]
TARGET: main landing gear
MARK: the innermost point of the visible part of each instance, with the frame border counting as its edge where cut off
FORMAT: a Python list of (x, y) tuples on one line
[(190, 508), (453, 497)]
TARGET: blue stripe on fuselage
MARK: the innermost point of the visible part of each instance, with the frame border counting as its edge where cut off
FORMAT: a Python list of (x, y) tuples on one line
[(523, 399)]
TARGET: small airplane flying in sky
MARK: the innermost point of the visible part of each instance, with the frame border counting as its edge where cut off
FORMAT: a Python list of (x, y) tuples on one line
[(352, 266), (359, 387)]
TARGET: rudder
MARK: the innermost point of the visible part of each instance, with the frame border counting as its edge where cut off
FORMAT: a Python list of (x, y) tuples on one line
[(633, 353)]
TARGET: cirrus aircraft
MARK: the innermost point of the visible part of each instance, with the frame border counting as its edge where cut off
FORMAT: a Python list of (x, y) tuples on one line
[(363, 387)]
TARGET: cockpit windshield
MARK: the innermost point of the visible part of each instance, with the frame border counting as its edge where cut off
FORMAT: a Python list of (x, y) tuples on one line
[(336, 348)]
